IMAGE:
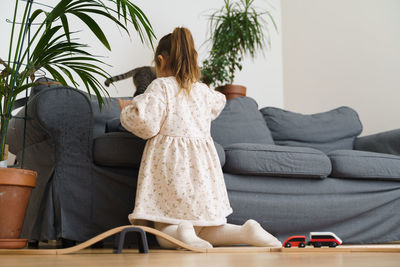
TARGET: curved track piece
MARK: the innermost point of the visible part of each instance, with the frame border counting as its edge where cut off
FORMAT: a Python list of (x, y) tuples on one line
[(117, 230)]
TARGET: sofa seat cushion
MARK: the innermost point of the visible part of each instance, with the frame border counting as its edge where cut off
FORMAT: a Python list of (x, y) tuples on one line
[(364, 165), (273, 160), (326, 131), (240, 122), (118, 150), (114, 125), (123, 149)]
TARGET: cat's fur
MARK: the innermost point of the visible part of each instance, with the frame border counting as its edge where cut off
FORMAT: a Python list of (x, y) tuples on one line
[(141, 77)]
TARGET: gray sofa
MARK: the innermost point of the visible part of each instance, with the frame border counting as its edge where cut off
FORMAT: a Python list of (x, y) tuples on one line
[(293, 173)]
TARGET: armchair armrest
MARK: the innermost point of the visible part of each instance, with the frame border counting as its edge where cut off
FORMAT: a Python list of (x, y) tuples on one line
[(385, 142), (59, 147)]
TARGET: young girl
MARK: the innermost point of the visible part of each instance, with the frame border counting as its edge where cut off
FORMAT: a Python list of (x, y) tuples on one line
[(181, 186)]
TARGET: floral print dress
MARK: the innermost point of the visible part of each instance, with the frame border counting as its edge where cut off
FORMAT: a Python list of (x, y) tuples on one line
[(180, 176)]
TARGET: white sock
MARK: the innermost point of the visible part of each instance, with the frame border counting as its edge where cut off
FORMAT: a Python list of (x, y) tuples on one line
[(251, 233), (183, 232), (169, 229), (258, 237), (187, 235)]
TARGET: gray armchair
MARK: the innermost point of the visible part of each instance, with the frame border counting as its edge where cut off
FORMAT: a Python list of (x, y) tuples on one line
[(74, 198)]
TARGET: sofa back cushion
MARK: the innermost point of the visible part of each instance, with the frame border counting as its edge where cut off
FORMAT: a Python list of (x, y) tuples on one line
[(240, 122), (326, 131)]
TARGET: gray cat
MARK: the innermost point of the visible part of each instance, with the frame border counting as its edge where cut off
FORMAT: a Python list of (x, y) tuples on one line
[(141, 77)]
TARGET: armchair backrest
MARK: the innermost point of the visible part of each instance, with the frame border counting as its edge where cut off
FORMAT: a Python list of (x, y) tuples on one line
[(109, 111)]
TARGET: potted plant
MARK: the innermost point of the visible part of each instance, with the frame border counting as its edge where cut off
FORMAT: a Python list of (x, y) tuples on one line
[(237, 29), (53, 46)]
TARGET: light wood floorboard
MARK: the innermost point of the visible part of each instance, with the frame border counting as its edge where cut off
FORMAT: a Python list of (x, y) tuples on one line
[(167, 258)]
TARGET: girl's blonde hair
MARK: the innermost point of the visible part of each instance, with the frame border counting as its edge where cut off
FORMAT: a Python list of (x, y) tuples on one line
[(181, 56)]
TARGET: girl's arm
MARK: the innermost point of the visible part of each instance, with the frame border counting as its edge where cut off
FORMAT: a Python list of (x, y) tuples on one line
[(218, 101), (144, 115)]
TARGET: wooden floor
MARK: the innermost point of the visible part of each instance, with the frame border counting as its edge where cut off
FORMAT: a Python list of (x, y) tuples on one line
[(166, 258)]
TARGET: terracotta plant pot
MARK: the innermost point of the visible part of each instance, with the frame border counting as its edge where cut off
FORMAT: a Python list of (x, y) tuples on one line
[(232, 90), (15, 189)]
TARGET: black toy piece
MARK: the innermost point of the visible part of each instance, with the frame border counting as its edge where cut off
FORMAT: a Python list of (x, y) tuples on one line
[(141, 236)]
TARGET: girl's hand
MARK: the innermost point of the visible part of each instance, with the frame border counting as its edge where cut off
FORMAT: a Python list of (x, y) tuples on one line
[(123, 103)]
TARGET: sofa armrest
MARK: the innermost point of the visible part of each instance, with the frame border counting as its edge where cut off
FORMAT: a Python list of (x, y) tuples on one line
[(385, 142)]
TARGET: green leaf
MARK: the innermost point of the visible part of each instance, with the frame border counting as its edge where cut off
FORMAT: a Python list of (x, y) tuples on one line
[(57, 11), (94, 27), (69, 75), (56, 74), (105, 14), (64, 21), (23, 88), (35, 14)]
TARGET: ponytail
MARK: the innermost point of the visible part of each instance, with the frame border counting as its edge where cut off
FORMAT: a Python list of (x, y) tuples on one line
[(181, 55)]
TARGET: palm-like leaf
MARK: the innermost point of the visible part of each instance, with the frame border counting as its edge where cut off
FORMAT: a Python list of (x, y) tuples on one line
[(53, 48), (50, 47)]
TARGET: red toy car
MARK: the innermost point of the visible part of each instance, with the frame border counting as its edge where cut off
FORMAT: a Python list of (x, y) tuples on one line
[(295, 241), (318, 239)]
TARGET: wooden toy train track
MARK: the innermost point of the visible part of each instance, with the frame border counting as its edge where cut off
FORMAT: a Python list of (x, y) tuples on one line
[(140, 230)]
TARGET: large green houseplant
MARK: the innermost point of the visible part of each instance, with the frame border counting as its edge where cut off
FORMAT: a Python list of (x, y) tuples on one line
[(236, 30), (53, 45)]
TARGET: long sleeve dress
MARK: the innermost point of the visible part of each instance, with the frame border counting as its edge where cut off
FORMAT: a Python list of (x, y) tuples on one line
[(180, 176)]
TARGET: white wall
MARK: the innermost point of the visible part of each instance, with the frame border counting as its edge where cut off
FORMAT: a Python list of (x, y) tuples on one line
[(263, 76), (343, 52)]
